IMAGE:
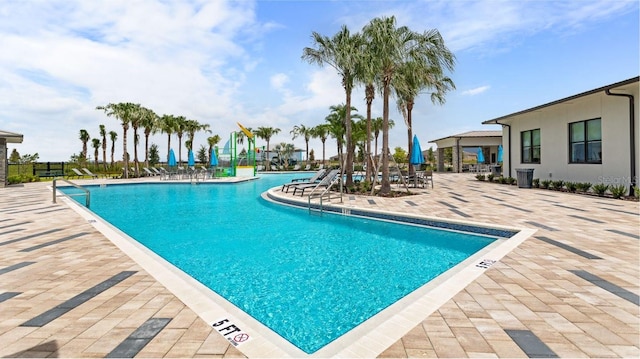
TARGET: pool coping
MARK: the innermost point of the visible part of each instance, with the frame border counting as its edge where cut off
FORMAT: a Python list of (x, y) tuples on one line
[(368, 339)]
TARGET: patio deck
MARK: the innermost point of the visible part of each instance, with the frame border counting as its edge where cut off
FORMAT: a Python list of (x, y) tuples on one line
[(570, 290)]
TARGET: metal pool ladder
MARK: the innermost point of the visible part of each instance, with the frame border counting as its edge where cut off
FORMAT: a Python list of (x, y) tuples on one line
[(86, 193), (326, 193)]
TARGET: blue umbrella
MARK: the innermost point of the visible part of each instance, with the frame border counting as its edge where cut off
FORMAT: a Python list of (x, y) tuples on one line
[(214, 158), (172, 159), (416, 152), (500, 153), (192, 161), (480, 155)]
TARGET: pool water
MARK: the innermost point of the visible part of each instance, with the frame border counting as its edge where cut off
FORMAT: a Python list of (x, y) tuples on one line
[(309, 278)]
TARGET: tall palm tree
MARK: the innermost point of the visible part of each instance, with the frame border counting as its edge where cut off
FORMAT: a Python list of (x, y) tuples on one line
[(266, 133), (113, 136), (95, 142), (390, 46), (149, 121), (321, 132), (285, 150), (193, 126), (84, 137), (343, 52), (167, 125), (122, 111), (304, 132), (136, 119), (180, 128), (376, 126), (103, 134)]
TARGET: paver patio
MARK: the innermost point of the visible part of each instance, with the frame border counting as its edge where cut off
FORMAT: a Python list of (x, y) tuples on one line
[(573, 285)]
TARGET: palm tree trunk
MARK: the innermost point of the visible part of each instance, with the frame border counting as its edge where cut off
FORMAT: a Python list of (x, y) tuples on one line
[(146, 149), (124, 153), (368, 161), (349, 135), (409, 105), (385, 187)]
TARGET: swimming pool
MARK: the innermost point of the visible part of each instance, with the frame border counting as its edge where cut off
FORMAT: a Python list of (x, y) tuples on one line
[(308, 278)]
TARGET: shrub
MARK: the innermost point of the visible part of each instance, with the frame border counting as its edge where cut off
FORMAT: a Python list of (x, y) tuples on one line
[(636, 190), (571, 186), (600, 189), (583, 186), (502, 180), (490, 177), (618, 191), (535, 183), (511, 180), (545, 184), (480, 177), (557, 185)]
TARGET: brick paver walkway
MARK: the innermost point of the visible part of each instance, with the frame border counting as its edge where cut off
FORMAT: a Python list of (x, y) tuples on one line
[(573, 285)]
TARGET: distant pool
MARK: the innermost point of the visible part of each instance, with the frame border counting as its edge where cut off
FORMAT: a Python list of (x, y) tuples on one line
[(309, 278)]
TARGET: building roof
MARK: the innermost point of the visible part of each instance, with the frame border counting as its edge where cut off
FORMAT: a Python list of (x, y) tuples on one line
[(472, 134), (11, 136), (587, 93)]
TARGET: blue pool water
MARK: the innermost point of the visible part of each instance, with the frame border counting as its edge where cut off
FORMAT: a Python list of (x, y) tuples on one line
[(309, 278)]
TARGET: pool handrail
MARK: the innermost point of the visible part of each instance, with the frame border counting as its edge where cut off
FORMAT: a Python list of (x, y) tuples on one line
[(87, 194)]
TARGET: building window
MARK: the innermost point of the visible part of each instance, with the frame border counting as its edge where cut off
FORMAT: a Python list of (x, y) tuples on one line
[(585, 141), (530, 142)]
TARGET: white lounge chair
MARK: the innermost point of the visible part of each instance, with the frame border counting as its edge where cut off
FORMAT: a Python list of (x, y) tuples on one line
[(149, 172), (86, 170), (78, 173)]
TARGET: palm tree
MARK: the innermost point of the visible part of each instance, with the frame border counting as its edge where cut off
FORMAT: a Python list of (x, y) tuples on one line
[(181, 123), (285, 151), (123, 112), (136, 119), (167, 125), (266, 133), (149, 121), (103, 134), (389, 47), (193, 126), (343, 52), (304, 132), (96, 145), (414, 77), (84, 137), (337, 120), (113, 135), (322, 132), (376, 126)]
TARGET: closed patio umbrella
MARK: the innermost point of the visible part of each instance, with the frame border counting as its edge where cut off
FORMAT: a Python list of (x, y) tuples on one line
[(500, 150), (416, 158), (192, 161), (172, 159), (480, 155)]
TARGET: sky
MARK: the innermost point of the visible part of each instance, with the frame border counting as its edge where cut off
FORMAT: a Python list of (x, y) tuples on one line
[(223, 62)]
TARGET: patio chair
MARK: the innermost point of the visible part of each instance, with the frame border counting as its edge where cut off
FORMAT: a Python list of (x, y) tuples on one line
[(325, 182), (296, 181), (78, 173), (86, 170)]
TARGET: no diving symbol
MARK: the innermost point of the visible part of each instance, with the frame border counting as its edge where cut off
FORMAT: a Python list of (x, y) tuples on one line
[(241, 337)]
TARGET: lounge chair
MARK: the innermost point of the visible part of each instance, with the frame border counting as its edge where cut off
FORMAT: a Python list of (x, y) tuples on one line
[(78, 173), (325, 182), (149, 172), (296, 181), (86, 170), (307, 167), (156, 171), (296, 167)]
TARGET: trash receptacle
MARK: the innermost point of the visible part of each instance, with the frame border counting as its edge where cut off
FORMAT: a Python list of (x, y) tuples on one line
[(525, 177)]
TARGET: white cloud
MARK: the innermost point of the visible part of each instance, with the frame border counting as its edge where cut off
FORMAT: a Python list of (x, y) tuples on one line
[(476, 91), (279, 80)]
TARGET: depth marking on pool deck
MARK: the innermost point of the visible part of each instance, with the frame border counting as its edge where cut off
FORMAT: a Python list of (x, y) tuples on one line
[(60, 309), (132, 345), (231, 332), (530, 344)]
